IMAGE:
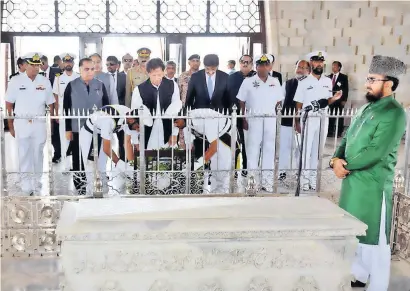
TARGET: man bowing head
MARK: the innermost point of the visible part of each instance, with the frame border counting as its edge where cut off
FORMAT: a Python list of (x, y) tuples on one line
[(158, 94)]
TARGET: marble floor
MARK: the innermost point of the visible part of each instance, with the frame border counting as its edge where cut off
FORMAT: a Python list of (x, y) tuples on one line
[(46, 274)]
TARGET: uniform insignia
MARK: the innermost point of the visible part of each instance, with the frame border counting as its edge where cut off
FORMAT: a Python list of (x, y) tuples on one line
[(40, 87), (339, 84), (272, 85), (256, 84), (302, 78), (58, 75), (62, 83), (67, 57), (319, 54), (325, 86), (310, 87), (22, 88), (36, 57), (264, 58)]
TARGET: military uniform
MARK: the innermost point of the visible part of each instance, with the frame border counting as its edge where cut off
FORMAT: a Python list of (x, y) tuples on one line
[(136, 75), (59, 87), (261, 98), (30, 98), (370, 150), (312, 89)]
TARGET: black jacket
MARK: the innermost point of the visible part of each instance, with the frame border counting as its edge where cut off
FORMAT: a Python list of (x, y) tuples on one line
[(277, 75), (342, 79), (197, 94)]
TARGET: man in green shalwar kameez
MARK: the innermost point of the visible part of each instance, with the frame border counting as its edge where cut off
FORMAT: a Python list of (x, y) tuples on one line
[(365, 160)]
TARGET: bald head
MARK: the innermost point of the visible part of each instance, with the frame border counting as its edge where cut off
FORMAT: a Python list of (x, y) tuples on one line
[(302, 68)]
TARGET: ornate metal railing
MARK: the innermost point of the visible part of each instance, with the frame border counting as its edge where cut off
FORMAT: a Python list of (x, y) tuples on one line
[(28, 223)]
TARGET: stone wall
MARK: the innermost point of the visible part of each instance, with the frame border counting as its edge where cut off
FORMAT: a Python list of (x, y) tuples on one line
[(349, 31)]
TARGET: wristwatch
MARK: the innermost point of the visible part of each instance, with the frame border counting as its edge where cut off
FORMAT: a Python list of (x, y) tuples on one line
[(332, 161)]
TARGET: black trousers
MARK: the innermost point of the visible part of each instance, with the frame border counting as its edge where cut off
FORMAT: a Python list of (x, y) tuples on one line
[(336, 110), (120, 136), (80, 179), (55, 139), (242, 142)]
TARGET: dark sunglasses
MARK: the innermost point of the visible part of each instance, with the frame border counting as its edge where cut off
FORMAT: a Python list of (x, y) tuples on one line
[(127, 60), (245, 62), (110, 64)]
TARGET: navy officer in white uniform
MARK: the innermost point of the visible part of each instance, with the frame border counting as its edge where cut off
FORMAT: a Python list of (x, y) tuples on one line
[(261, 94), (314, 87), (30, 93)]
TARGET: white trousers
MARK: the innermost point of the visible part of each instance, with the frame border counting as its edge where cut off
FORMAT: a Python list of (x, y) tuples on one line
[(310, 157), (220, 167), (288, 149), (374, 260), (31, 155), (85, 139), (261, 140)]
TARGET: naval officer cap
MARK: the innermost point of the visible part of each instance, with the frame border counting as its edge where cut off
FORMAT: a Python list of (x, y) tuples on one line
[(387, 66), (33, 58), (194, 57), (144, 52), (263, 59), (67, 57), (317, 56)]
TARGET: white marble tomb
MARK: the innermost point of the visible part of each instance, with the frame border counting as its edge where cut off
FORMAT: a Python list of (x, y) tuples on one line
[(207, 244)]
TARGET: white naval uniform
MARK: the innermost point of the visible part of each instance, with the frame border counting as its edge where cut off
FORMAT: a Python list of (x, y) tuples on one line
[(157, 133), (59, 86), (106, 125), (30, 99), (312, 89), (261, 98), (212, 126)]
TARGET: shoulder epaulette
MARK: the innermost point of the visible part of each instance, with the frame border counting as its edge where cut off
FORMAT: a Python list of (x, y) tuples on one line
[(58, 75), (301, 78), (42, 73)]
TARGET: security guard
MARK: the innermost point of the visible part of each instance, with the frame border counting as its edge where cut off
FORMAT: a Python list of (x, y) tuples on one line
[(314, 87), (30, 93), (261, 94), (137, 75), (59, 86)]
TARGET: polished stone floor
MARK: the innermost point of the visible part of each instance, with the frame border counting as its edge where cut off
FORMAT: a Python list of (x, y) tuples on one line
[(46, 274)]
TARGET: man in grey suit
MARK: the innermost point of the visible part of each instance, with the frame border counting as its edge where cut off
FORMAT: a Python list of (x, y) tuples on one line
[(120, 79), (106, 78)]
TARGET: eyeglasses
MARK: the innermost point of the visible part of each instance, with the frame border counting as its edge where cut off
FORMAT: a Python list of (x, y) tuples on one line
[(245, 62), (127, 60), (372, 80), (110, 64)]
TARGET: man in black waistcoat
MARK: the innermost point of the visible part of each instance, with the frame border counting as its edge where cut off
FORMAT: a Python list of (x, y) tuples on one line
[(288, 145), (158, 93)]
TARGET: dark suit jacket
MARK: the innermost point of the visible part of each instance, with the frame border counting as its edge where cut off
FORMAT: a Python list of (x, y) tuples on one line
[(52, 75), (197, 94), (121, 83), (277, 75), (344, 85)]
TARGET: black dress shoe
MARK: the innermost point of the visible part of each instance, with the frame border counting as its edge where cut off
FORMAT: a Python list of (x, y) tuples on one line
[(358, 284), (56, 160)]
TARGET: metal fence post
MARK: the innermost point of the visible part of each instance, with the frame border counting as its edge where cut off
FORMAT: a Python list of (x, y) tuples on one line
[(233, 148), (49, 151), (3, 176), (97, 183), (322, 144), (188, 146), (406, 172), (142, 150), (277, 148)]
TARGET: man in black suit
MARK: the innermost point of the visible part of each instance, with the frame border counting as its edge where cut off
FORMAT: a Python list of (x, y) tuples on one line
[(51, 74), (120, 79), (48, 71), (208, 88), (275, 74), (339, 82)]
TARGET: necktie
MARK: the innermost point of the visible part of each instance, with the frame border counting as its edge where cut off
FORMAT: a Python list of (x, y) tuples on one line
[(113, 75), (333, 80), (210, 87)]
